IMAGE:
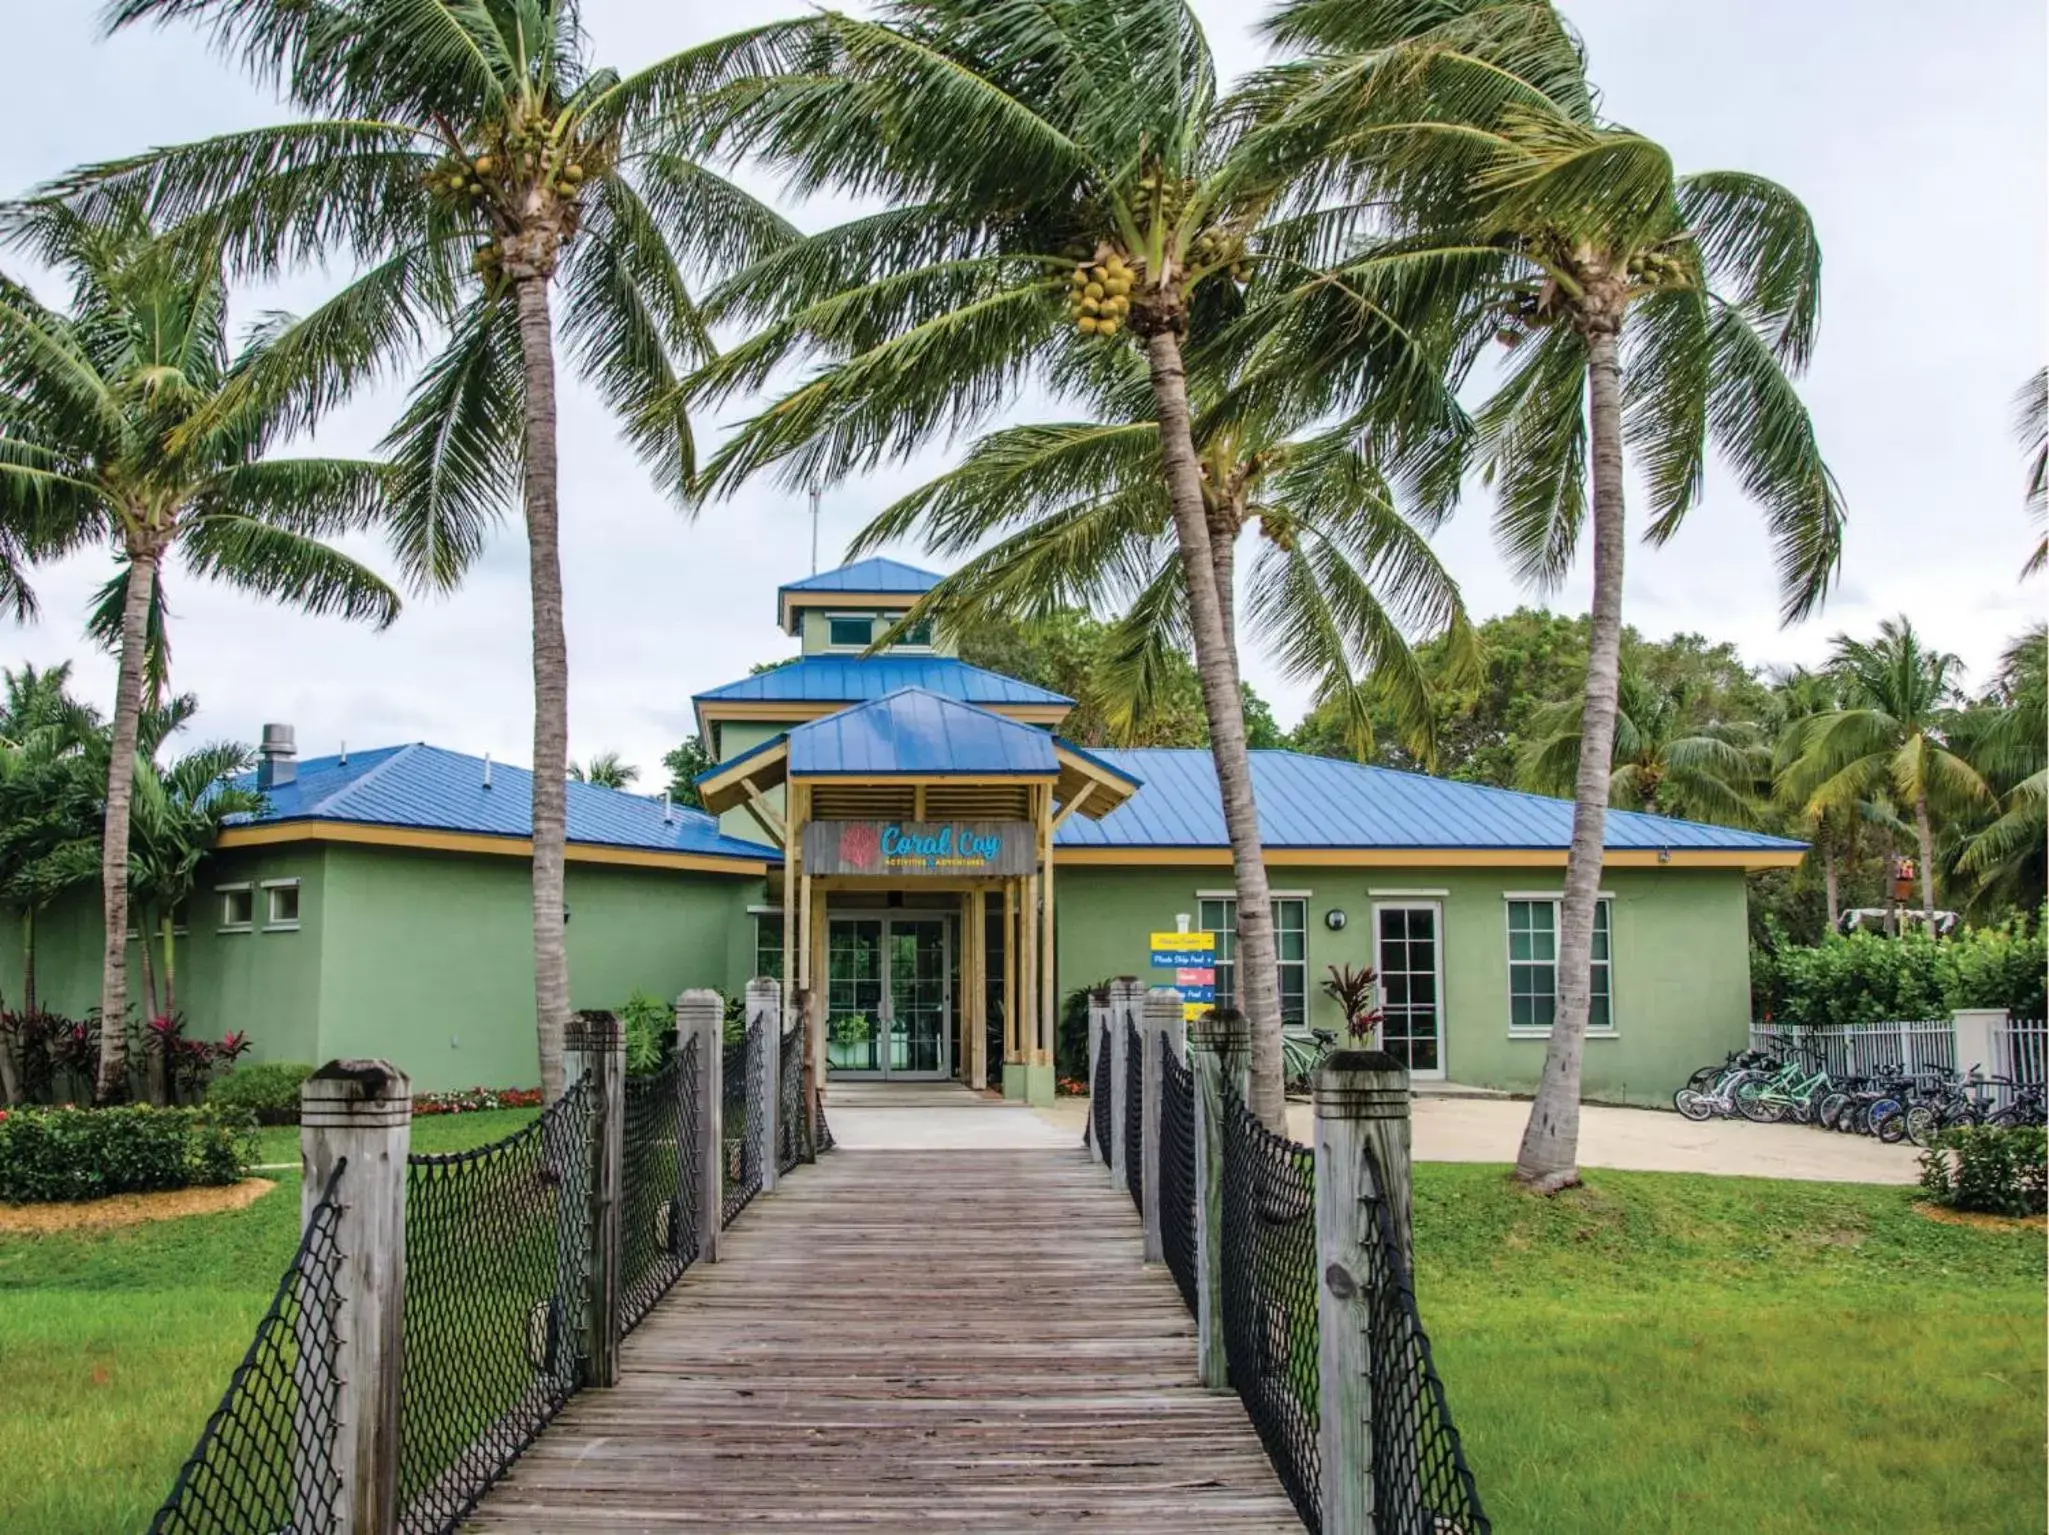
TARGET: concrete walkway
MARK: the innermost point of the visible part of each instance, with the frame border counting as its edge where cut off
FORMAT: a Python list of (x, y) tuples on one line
[(1642, 1140), (937, 1116)]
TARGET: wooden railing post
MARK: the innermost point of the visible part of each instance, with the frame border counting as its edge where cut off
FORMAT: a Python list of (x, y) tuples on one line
[(362, 1111), (1219, 1049), (1362, 1105), (701, 1015), (1160, 1034), (594, 1044), (1126, 995), (765, 1033), (1099, 1018)]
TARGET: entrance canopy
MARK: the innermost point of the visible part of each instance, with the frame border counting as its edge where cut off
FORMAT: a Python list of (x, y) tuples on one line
[(884, 809)]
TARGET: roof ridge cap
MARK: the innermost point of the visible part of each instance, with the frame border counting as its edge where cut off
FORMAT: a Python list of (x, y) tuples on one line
[(333, 801)]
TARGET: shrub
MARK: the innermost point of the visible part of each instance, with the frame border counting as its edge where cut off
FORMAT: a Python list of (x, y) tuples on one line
[(648, 1025), (1867, 977), (1987, 1168), (268, 1089), (68, 1154)]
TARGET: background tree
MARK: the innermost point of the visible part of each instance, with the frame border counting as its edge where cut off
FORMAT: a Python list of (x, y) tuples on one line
[(1473, 191), (1892, 735), (476, 162), (2006, 738), (685, 763), (608, 770), (114, 428), (2031, 425)]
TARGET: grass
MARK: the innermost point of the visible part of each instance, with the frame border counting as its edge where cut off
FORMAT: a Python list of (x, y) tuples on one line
[(115, 1345), (1665, 1353), (1650, 1353)]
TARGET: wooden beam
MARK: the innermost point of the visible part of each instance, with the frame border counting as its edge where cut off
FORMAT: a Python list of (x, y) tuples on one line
[(764, 813), (918, 802), (1072, 805), (1009, 963), (1048, 980)]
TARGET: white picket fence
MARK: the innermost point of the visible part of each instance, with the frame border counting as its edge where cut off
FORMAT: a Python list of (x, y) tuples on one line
[(2020, 1049), (1863, 1049)]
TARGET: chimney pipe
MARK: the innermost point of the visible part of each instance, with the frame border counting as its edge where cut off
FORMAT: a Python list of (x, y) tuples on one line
[(277, 758)]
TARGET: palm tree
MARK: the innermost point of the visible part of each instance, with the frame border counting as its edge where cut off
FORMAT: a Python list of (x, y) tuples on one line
[(1466, 188), (1059, 183), (2031, 426), (112, 427), (1338, 581), (608, 770), (470, 155), (2005, 740), (1892, 735), (1663, 761)]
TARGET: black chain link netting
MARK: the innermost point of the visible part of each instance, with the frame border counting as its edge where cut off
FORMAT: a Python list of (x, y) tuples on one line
[(1271, 1335), (658, 1229), (498, 1247), (262, 1462), (1099, 1097), (1177, 1173), (1421, 1484), (1134, 1116), (744, 1087), (792, 1131)]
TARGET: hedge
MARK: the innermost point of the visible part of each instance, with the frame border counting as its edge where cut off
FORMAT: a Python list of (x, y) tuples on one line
[(1988, 1168), (1870, 978), (268, 1089), (68, 1154)]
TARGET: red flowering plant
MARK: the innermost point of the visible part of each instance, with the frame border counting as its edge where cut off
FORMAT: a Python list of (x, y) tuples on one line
[(1353, 991), (473, 1100)]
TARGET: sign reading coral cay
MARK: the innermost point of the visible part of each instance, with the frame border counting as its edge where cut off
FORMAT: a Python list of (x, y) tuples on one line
[(992, 848)]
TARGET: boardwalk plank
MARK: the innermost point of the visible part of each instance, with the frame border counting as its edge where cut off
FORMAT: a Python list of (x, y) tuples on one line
[(938, 1340)]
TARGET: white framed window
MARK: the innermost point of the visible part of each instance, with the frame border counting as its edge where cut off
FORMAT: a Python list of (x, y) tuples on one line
[(238, 907), (849, 631), (1533, 965), (280, 905), (1219, 915), (768, 943), (917, 636)]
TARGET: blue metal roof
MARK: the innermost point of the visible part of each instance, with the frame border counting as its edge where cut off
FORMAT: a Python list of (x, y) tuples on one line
[(427, 788), (871, 575), (1319, 802), (914, 731), (856, 679)]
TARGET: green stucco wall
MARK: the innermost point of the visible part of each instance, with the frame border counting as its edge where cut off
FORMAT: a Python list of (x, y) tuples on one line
[(1681, 969), (737, 737)]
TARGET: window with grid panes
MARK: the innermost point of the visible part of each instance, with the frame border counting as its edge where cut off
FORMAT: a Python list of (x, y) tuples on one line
[(1291, 952), (768, 944), (1533, 966)]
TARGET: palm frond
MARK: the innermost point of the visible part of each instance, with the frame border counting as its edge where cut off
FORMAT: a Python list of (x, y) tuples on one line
[(1759, 247), (285, 566)]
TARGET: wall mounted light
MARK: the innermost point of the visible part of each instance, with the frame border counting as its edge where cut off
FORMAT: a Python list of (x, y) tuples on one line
[(1334, 919), (1664, 855)]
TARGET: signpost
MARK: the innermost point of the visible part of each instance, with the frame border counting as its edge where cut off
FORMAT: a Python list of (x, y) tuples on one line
[(1193, 959), (920, 848)]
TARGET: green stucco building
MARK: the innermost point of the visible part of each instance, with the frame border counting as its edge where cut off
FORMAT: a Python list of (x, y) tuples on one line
[(905, 840)]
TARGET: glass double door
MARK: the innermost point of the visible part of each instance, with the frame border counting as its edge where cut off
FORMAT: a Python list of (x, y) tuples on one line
[(889, 997)]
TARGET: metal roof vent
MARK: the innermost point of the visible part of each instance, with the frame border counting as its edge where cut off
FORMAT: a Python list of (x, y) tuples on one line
[(277, 759)]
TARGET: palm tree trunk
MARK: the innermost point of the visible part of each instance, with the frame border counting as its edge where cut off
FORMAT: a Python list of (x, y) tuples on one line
[(1924, 833), (112, 1083), (551, 684), (168, 929), (1216, 664), (1549, 1158), (155, 1048), (1831, 883), (28, 959)]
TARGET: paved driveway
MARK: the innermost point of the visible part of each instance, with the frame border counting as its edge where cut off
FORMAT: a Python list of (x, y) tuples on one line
[(1647, 1140)]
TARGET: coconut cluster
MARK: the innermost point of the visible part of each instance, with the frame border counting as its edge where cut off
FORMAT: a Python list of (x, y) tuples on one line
[(1657, 269), (1100, 295), (1216, 248)]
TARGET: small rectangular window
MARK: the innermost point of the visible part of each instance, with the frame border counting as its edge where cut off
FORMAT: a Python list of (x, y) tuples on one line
[(238, 908), (768, 944), (1533, 967), (917, 636), (281, 908), (849, 633), (1291, 952)]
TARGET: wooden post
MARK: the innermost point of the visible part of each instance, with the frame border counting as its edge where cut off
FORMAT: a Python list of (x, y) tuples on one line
[(1124, 995), (765, 1033), (821, 1000), (1009, 965), (1099, 1019), (1049, 980), (1162, 1025), (976, 1067), (701, 1015), (594, 1044), (362, 1111), (1362, 1105), (1219, 1049)]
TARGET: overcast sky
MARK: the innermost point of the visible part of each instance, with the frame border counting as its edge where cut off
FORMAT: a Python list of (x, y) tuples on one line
[(1919, 146)]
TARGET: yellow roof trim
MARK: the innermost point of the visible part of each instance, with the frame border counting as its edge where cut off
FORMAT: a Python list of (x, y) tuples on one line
[(473, 842), (1424, 857)]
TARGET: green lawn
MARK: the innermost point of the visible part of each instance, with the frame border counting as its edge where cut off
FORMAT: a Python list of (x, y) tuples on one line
[(1650, 1353), (115, 1345), (1659, 1353)]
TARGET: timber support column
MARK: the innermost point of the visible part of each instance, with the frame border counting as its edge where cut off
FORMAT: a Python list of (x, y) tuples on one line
[(1013, 977), (361, 1112), (595, 1045), (765, 1034), (1362, 1166), (701, 1015), (1219, 1050), (1160, 1035), (1040, 1083)]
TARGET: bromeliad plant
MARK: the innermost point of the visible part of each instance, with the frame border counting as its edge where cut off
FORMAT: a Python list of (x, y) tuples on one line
[(1354, 992)]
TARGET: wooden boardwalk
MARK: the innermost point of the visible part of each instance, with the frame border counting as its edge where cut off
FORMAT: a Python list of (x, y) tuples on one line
[(895, 1340)]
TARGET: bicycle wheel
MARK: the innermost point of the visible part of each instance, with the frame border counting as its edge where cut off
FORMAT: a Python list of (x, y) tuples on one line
[(1693, 1106), (1832, 1108), (1880, 1114), (1919, 1124)]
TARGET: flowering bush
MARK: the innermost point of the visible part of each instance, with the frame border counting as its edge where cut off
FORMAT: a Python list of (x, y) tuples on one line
[(472, 1100), (1071, 1087)]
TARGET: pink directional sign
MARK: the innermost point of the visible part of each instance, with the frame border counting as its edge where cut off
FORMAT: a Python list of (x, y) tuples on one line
[(1195, 977)]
